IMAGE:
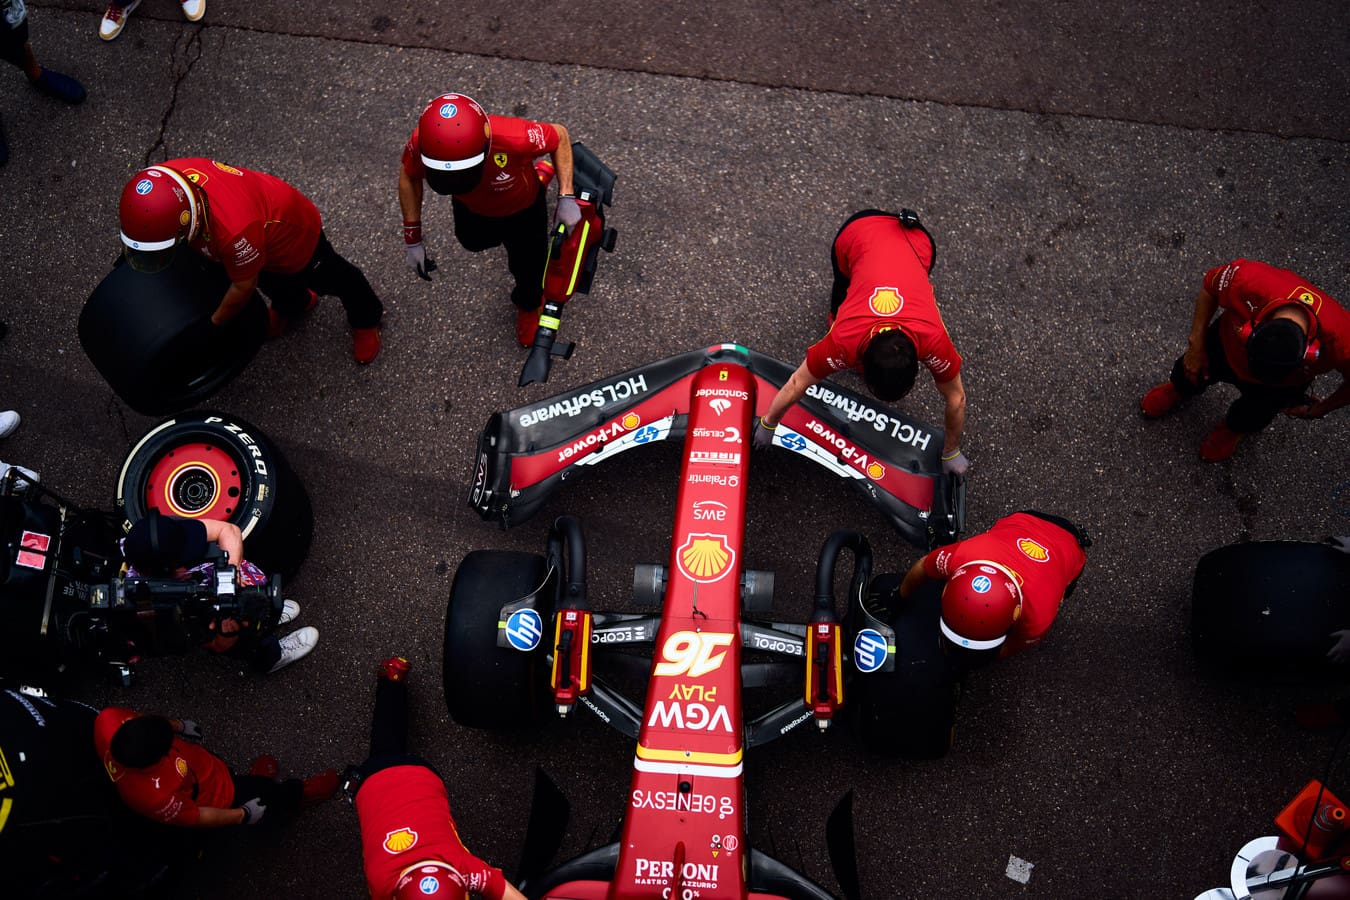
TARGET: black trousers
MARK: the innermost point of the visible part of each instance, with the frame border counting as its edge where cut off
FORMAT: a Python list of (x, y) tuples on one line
[(12, 41), (330, 275), (1256, 405), (389, 731), (523, 234), (282, 798)]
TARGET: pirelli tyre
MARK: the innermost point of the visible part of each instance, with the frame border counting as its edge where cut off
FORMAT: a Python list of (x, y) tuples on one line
[(212, 465), (911, 711), (487, 686), (1269, 604), (151, 338)]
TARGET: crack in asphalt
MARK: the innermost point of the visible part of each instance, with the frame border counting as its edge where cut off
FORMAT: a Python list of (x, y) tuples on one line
[(182, 61)]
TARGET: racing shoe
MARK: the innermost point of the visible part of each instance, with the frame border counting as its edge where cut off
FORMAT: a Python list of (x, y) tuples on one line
[(544, 169), (115, 19), (9, 423), (194, 9), (1220, 443), (277, 323), (320, 787), (62, 87), (289, 610), (395, 668), (527, 323), (264, 766), (365, 344), (1160, 401), (24, 480), (296, 645)]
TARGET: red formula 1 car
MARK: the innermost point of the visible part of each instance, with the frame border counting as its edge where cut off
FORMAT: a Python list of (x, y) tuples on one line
[(521, 637)]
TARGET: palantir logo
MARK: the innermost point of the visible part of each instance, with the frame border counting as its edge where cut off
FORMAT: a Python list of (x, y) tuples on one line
[(524, 630), (719, 405)]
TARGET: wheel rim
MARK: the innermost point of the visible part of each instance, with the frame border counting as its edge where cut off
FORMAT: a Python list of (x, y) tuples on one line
[(195, 481)]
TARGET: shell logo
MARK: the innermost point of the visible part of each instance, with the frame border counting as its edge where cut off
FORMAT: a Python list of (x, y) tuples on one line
[(885, 301), (224, 168), (399, 840), (184, 217), (631, 421), (181, 765), (876, 471), (705, 557), (1032, 550)]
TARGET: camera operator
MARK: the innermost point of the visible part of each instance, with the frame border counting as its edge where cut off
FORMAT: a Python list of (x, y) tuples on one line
[(161, 546)]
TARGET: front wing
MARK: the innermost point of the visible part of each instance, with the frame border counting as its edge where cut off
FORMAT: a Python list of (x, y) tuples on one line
[(525, 454)]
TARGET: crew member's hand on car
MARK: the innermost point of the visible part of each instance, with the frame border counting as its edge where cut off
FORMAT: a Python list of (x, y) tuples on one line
[(568, 213), (763, 434), (955, 462)]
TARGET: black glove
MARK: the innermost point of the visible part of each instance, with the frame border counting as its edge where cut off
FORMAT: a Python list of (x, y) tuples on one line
[(763, 434)]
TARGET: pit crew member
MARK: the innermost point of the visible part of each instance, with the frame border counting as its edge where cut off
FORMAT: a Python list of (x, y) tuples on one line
[(408, 837), (161, 772), (487, 164), (1003, 588), (1275, 333), (884, 321), (171, 547), (264, 232)]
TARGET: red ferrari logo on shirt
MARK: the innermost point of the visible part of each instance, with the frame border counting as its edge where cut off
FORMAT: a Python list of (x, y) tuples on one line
[(399, 840), (885, 301)]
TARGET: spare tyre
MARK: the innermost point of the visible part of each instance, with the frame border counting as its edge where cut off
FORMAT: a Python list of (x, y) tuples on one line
[(150, 334), (212, 465), (1269, 604)]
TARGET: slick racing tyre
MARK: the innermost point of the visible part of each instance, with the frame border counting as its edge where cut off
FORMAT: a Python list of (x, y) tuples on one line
[(911, 711), (151, 338), (1269, 604), (209, 465), (487, 686)]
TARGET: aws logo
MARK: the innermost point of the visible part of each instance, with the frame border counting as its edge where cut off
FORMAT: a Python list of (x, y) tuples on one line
[(885, 301), (1032, 550)]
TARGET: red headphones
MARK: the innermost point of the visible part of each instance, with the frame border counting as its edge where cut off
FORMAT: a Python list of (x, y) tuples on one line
[(1312, 348)]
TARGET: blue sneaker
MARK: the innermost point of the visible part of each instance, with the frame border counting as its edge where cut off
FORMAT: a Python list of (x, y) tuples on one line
[(62, 87)]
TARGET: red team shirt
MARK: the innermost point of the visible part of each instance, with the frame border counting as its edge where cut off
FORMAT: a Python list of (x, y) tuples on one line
[(1042, 556), (255, 222), (174, 789), (405, 818), (509, 182), (887, 266), (1246, 288)]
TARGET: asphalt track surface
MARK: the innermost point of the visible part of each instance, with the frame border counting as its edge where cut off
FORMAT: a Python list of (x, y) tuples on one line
[(1080, 166)]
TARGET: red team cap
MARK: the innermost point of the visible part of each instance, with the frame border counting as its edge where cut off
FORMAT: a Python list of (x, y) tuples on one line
[(453, 133), (158, 210), (980, 603), (426, 879)]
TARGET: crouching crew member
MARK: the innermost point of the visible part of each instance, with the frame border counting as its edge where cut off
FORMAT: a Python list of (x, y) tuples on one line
[(884, 321), (1002, 589), (487, 164), (1275, 333), (408, 838), (264, 232)]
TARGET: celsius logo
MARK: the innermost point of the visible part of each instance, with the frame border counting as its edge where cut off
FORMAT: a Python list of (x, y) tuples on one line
[(448, 110), (143, 186), (719, 405)]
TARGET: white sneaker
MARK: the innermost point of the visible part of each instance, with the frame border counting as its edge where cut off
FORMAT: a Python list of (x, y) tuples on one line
[(25, 479), (295, 646), (194, 9), (115, 18), (9, 423), (289, 610)]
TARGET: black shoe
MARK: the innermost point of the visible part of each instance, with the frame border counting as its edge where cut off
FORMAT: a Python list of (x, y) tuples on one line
[(62, 87)]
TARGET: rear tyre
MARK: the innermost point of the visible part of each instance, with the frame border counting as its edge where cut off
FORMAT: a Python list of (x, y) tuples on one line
[(911, 711), (210, 465), (1269, 604), (150, 337), (487, 686)]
